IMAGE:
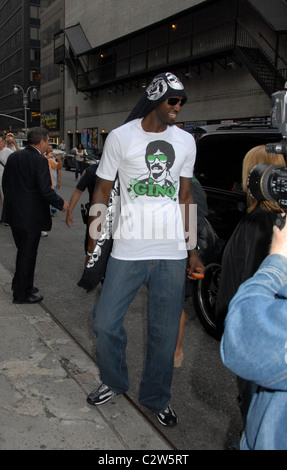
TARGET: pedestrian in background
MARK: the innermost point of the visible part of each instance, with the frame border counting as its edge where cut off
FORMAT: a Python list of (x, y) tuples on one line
[(62, 146), (11, 143), (4, 154), (79, 160), (55, 166), (27, 198)]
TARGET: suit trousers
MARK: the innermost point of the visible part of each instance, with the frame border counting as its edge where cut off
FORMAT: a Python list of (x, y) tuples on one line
[(27, 243)]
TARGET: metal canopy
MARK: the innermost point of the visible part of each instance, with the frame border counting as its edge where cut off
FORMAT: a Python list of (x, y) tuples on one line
[(77, 39), (274, 12)]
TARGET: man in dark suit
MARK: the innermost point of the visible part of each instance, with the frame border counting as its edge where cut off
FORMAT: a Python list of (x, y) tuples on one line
[(27, 198)]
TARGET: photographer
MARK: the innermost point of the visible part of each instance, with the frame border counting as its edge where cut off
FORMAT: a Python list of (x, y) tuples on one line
[(11, 143), (250, 241), (254, 347), (247, 247)]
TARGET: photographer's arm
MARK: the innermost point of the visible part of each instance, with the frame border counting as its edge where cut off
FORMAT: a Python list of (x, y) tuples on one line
[(255, 336)]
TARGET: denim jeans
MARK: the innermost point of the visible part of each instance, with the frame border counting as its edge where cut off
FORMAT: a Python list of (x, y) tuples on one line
[(165, 280), (79, 168)]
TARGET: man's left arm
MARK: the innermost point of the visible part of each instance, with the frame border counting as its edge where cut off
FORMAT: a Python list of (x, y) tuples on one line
[(190, 230)]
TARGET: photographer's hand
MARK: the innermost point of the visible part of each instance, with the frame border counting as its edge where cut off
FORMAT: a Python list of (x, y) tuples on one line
[(279, 240)]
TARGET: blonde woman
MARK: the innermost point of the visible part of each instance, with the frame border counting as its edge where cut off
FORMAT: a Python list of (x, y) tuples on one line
[(250, 241)]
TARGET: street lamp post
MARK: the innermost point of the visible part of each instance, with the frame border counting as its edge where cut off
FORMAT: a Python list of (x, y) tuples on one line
[(18, 88)]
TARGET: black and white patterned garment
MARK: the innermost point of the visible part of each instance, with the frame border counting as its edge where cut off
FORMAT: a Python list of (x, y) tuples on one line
[(95, 270)]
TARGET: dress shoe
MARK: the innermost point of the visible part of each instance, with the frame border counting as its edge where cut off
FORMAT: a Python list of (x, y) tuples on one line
[(33, 299)]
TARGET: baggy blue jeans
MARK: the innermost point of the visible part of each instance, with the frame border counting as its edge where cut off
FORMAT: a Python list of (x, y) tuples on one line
[(165, 280)]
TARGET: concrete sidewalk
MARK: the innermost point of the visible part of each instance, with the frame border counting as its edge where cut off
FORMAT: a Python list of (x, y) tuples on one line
[(45, 377)]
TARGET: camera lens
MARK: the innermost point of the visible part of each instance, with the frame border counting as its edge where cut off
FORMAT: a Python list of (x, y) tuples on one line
[(278, 147), (268, 182)]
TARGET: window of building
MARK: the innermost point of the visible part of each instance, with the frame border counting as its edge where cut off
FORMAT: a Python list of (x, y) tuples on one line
[(34, 12), (35, 54), (34, 33), (35, 75)]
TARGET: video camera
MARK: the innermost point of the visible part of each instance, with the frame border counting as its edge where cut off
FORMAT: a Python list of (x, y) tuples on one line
[(269, 182)]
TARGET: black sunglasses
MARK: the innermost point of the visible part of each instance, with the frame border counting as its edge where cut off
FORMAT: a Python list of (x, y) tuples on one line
[(175, 101)]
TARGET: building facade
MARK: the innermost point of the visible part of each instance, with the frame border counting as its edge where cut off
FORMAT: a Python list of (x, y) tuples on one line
[(96, 58), (19, 64), (228, 54), (52, 76)]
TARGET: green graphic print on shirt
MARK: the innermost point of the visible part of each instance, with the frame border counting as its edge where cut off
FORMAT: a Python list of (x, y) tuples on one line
[(157, 182)]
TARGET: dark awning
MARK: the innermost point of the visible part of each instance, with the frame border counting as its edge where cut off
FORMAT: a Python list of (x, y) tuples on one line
[(274, 12), (77, 39)]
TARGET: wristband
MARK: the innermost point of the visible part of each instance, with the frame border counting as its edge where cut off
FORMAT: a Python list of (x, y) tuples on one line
[(196, 248)]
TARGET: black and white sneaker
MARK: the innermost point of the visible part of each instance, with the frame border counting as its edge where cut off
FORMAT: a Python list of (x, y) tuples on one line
[(100, 395), (167, 417)]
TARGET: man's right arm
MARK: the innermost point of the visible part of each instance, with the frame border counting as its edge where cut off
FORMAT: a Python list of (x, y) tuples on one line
[(98, 209)]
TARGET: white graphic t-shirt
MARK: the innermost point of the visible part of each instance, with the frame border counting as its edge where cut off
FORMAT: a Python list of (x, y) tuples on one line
[(149, 166)]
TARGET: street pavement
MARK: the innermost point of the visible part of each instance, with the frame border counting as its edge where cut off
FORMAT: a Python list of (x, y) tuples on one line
[(45, 377), (47, 365)]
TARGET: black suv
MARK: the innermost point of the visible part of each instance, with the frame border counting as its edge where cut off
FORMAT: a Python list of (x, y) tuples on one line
[(218, 168)]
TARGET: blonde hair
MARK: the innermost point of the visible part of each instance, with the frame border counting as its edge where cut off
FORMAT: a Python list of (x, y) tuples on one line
[(253, 157)]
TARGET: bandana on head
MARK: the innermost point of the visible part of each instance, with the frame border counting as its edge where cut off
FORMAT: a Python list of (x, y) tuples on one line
[(162, 87)]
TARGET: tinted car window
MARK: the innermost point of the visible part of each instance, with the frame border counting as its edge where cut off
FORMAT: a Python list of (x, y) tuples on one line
[(220, 155)]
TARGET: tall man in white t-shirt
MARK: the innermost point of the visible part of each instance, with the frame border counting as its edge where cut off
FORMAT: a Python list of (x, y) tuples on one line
[(154, 160)]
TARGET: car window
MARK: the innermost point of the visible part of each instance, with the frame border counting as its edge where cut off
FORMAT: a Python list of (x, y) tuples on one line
[(90, 152), (220, 155), (21, 142)]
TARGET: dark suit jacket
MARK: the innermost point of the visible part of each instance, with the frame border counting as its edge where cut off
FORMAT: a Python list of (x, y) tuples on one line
[(27, 191)]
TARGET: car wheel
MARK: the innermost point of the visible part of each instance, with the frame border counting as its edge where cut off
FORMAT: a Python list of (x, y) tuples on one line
[(204, 298), (67, 168)]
